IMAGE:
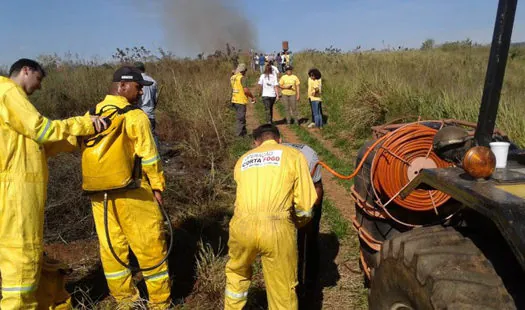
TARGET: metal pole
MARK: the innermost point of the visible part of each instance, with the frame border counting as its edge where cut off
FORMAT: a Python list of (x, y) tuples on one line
[(499, 51)]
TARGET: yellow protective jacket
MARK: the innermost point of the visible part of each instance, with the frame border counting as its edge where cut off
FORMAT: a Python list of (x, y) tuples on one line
[(137, 128), (238, 95), (23, 180), (274, 178), (23, 131)]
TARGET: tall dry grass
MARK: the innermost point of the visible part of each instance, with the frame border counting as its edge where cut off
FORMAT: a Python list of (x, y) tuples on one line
[(195, 126), (193, 119), (370, 88)]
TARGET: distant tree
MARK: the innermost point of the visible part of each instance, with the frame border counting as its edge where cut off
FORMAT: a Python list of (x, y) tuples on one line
[(332, 50), (164, 54), (49, 61), (128, 55), (428, 44), (457, 45)]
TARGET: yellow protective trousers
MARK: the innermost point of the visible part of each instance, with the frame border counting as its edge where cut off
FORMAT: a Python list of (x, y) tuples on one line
[(21, 250), (273, 237), (135, 221)]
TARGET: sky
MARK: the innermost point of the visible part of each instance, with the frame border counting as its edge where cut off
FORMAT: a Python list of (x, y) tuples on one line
[(94, 29)]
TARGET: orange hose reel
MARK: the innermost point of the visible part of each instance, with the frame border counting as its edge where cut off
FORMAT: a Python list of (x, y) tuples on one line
[(400, 156), (399, 159)]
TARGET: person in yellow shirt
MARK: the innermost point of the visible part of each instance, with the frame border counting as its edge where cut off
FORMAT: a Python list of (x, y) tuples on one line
[(287, 59), (314, 96), (275, 194), (240, 95), (289, 84), (134, 218), (25, 136)]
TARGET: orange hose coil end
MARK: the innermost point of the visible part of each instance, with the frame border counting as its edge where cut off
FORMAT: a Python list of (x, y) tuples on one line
[(391, 164)]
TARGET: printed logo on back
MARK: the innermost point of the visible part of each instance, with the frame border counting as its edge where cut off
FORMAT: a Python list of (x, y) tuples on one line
[(270, 158)]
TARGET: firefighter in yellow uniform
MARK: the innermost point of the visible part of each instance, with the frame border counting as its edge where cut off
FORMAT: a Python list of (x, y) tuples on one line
[(134, 218), (240, 95), (23, 180), (275, 193)]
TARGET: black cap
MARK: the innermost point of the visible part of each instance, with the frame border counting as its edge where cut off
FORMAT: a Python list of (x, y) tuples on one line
[(130, 74)]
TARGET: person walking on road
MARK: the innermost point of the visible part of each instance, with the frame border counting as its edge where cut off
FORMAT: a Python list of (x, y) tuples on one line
[(314, 96), (308, 235), (148, 101), (240, 95), (275, 70), (275, 194), (269, 89), (289, 84), (283, 62), (262, 62), (255, 62), (278, 61), (134, 218), (25, 136)]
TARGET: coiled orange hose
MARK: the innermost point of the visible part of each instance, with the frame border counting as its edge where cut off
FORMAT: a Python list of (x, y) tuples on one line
[(389, 171)]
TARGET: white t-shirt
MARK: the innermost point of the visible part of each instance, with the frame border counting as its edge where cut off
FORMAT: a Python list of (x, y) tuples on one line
[(311, 158), (268, 85), (275, 71)]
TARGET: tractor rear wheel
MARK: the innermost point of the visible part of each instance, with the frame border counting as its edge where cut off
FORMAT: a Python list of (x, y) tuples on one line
[(435, 268)]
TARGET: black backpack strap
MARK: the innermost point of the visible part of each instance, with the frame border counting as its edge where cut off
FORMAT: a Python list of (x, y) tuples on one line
[(127, 109)]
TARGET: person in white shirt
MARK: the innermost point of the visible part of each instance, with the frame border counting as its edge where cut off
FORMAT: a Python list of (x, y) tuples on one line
[(275, 70), (308, 235), (269, 89)]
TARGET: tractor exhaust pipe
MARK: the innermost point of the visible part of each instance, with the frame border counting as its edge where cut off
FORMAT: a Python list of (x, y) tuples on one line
[(499, 51)]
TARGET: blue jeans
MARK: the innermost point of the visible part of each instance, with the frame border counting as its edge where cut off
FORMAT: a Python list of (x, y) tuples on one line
[(318, 116)]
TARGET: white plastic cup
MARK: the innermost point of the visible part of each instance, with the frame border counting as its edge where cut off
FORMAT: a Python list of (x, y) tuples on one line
[(501, 150)]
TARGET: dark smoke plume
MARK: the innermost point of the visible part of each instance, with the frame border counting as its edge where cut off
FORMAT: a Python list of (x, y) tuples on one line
[(204, 26)]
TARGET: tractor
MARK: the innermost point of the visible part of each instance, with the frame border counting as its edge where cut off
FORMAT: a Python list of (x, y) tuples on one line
[(439, 226)]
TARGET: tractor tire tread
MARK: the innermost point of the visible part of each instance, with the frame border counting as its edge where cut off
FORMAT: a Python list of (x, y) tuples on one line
[(451, 272)]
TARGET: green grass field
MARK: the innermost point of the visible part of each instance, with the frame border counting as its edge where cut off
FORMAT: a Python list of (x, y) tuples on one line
[(370, 88)]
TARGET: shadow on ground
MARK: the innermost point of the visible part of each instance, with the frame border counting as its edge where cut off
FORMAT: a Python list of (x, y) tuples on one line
[(210, 229), (328, 272)]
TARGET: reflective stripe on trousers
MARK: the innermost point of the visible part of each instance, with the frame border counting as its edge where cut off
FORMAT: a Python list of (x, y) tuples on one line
[(234, 295), (134, 221), (271, 235)]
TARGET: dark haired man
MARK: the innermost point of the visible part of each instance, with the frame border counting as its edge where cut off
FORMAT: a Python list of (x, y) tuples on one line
[(24, 136), (275, 193)]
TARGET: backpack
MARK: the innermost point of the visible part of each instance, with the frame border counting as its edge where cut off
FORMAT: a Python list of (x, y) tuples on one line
[(107, 163)]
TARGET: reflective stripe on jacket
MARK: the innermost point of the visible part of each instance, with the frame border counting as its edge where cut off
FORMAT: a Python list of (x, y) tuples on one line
[(24, 131)]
